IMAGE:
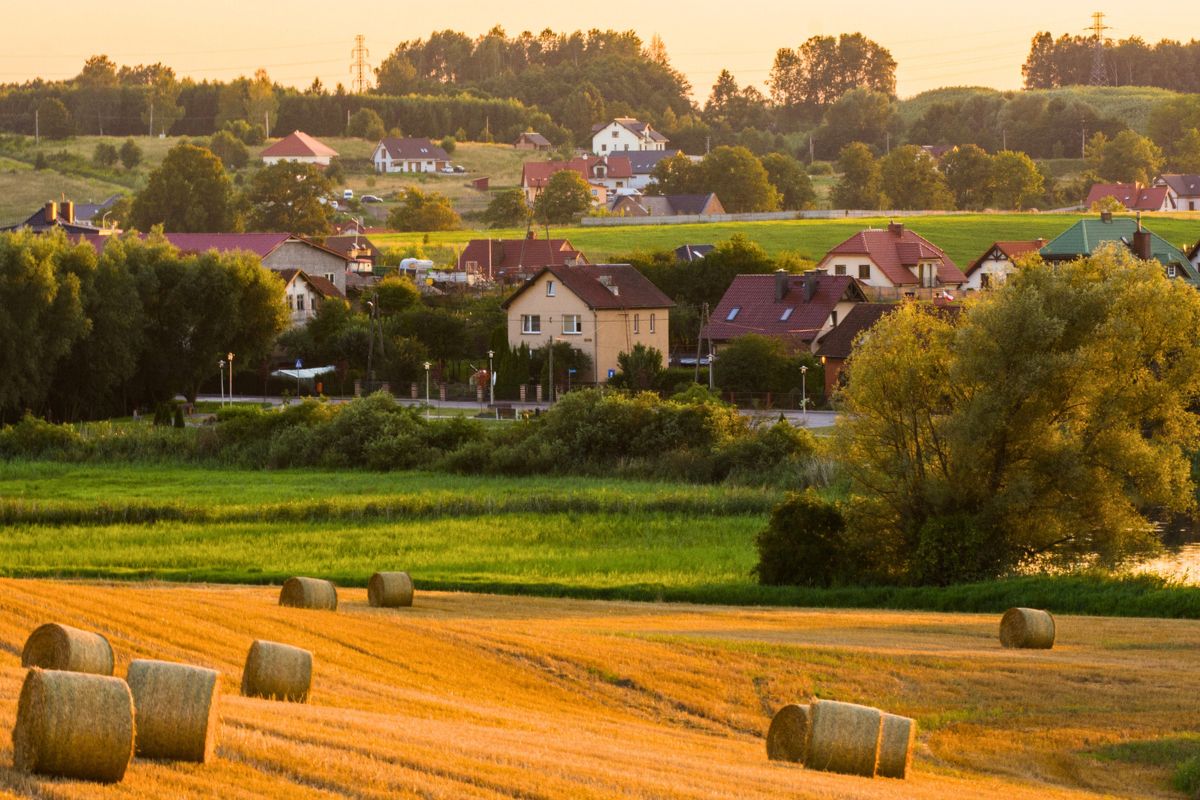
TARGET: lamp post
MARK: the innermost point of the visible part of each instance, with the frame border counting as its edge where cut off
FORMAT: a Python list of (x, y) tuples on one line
[(229, 356), (427, 366), (712, 363), (221, 382), (804, 393), (299, 366), (491, 379), (551, 369)]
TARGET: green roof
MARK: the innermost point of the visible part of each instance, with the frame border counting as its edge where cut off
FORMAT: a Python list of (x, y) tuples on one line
[(1082, 238)]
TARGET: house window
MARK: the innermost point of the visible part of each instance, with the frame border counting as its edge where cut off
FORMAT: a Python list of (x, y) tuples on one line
[(549, 288), (615, 134), (531, 323), (291, 303), (652, 323), (329, 277), (299, 302), (637, 326), (839, 269), (733, 312), (572, 323), (985, 280), (833, 318), (864, 272), (1170, 270), (603, 148), (1191, 205), (787, 313)]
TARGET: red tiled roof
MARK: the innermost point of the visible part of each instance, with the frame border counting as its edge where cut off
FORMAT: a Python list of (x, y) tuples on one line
[(759, 312), (894, 250), (518, 255), (299, 144), (1010, 250), (537, 173), (839, 342), (594, 284), (322, 286), (1132, 196)]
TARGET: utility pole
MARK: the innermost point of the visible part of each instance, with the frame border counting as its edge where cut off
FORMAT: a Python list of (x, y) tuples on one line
[(700, 339), (810, 149), (1099, 76), (152, 118), (36, 127), (359, 65), (267, 123), (551, 369)]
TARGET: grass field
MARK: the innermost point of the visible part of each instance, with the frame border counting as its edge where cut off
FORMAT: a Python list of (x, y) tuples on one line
[(964, 237), (479, 696)]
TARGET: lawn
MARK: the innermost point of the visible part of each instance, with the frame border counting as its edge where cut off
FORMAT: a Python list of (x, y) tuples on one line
[(484, 696)]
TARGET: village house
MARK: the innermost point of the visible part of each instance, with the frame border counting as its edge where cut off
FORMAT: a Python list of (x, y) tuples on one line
[(668, 205), (642, 164), (602, 310), (1183, 191), (409, 155), (512, 260), (998, 262), (797, 309), (894, 263), (1130, 195), (305, 294), (602, 176), (1088, 235), (687, 253), (298, 146), (529, 140), (54, 216), (360, 253), (625, 133)]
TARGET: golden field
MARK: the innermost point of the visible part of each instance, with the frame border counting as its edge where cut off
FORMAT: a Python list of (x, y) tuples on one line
[(468, 695)]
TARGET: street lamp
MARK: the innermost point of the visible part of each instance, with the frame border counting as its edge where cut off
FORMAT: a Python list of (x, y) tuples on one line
[(551, 369), (427, 366), (221, 382), (804, 393), (229, 356), (299, 366), (712, 362), (491, 379)]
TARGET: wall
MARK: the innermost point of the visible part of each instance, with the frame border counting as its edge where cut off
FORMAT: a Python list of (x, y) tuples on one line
[(314, 261), (761, 216)]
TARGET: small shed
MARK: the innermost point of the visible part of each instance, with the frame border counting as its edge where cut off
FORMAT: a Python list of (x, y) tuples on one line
[(529, 140)]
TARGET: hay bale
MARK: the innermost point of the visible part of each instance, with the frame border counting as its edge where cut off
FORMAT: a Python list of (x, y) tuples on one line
[(176, 708), (73, 725), (1028, 628), (787, 738), (61, 647), (390, 590), (308, 593), (844, 738), (896, 746), (277, 672)]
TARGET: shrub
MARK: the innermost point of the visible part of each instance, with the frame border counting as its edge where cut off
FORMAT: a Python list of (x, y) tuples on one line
[(804, 544), (955, 549), (32, 437)]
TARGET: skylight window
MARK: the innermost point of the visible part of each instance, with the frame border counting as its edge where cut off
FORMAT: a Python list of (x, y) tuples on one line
[(733, 312), (787, 313)]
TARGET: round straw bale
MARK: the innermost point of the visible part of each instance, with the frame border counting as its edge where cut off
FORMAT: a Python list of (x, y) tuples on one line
[(176, 708), (390, 590), (308, 593), (61, 647), (787, 738), (73, 725), (844, 738), (1027, 628), (277, 671), (896, 745)]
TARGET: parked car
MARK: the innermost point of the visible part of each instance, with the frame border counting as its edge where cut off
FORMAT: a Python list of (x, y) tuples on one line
[(449, 170), (348, 194), (459, 168), (334, 205), (370, 198)]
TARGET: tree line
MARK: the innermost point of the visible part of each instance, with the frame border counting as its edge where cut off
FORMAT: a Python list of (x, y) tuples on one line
[(1068, 61)]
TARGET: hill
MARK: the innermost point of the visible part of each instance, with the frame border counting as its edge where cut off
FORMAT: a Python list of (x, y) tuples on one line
[(489, 697)]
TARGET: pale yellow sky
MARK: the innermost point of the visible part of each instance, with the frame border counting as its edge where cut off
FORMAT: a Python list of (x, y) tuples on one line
[(936, 42)]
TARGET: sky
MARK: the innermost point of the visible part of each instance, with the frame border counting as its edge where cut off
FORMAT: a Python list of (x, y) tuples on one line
[(935, 42)]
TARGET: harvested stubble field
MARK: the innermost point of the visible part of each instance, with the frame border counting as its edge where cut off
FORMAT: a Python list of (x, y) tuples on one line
[(485, 696)]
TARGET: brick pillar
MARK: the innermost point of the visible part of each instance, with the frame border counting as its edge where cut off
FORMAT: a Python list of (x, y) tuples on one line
[(524, 390), (442, 392), (539, 392), (413, 389), (357, 387)]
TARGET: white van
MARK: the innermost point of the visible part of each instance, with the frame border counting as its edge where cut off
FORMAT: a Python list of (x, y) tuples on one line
[(348, 194)]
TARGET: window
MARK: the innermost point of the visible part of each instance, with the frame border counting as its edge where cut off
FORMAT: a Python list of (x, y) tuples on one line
[(531, 323), (864, 272), (299, 302), (329, 277), (985, 280), (1170, 270), (636, 324), (839, 269), (572, 323), (616, 134), (603, 147), (787, 313), (833, 318), (291, 303), (652, 323), (733, 312), (550, 289)]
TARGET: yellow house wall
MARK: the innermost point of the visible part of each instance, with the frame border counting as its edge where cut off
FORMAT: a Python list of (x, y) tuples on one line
[(605, 334)]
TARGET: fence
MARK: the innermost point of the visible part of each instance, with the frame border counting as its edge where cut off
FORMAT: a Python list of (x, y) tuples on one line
[(763, 216)]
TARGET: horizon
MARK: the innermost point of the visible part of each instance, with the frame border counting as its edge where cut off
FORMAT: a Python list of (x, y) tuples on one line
[(928, 56)]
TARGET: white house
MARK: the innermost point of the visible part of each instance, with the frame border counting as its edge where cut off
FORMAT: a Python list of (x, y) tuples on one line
[(998, 262), (409, 155), (625, 133), (1183, 191), (299, 146), (305, 294)]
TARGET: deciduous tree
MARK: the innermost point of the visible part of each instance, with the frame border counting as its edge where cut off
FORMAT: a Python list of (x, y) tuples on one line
[(420, 211), (566, 196), (188, 192), (287, 197), (859, 186), (910, 180)]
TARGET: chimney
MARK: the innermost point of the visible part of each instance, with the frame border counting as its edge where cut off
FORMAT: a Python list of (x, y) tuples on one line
[(51, 212), (68, 209), (896, 228), (1141, 240), (810, 284), (781, 284), (1106, 217), (530, 235)]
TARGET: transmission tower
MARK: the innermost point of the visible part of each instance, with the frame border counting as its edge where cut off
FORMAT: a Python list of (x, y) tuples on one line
[(1099, 76), (359, 65)]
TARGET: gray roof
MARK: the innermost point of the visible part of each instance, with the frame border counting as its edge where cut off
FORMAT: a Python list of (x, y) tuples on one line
[(1185, 185), (643, 162), (692, 252), (413, 150)]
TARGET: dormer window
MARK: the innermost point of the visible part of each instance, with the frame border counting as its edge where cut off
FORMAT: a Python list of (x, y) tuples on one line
[(1170, 270), (787, 313), (733, 312)]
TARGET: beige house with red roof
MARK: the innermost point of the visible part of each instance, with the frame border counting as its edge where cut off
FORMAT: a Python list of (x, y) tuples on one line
[(998, 262), (894, 263), (798, 309), (602, 310), (300, 147), (603, 175)]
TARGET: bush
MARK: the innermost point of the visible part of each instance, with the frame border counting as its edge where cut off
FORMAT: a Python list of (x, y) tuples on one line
[(804, 544), (35, 438), (954, 549), (105, 155), (448, 144)]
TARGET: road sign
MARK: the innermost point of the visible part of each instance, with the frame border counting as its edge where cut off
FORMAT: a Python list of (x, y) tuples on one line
[(299, 364)]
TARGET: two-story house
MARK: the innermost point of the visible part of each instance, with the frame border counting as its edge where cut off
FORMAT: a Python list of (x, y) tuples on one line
[(1183, 191), (894, 263), (1087, 235), (998, 262), (409, 155), (305, 294), (625, 133), (512, 260), (602, 310)]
